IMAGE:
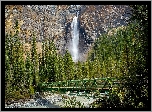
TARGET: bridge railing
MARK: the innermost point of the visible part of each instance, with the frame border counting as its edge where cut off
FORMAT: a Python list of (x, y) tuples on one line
[(100, 83)]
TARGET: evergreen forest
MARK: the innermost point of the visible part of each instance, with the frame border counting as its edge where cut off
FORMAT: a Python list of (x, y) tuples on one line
[(122, 54)]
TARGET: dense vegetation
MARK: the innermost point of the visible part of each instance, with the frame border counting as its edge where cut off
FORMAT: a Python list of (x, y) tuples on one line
[(122, 54), (126, 54)]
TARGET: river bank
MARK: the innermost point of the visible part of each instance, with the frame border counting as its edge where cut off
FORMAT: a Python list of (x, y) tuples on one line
[(56, 100)]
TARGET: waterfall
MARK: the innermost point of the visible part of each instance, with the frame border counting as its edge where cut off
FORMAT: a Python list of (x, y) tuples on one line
[(75, 39)]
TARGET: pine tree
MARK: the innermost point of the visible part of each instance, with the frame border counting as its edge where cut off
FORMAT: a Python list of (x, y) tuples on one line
[(42, 65), (8, 71), (85, 69), (68, 66), (35, 66), (96, 68), (57, 69), (79, 70), (91, 70), (21, 65), (28, 66), (51, 67), (48, 67), (62, 74), (18, 64)]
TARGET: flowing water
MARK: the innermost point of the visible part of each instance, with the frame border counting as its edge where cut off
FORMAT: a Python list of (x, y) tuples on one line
[(75, 39), (55, 100)]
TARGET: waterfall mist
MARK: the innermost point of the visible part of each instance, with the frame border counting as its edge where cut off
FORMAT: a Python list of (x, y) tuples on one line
[(74, 50)]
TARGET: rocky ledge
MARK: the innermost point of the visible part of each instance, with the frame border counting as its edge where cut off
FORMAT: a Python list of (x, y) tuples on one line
[(54, 22)]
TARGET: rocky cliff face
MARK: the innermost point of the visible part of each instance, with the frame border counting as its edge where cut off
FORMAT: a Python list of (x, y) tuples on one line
[(54, 22)]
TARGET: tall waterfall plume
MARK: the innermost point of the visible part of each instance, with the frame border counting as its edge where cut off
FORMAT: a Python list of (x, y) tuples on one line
[(75, 39)]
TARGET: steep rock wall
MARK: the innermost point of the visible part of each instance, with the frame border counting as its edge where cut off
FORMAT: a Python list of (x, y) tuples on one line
[(54, 22)]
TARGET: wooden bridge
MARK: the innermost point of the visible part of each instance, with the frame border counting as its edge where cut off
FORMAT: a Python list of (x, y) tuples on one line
[(101, 84)]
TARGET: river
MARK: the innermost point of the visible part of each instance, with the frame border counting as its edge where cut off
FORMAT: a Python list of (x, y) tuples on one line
[(58, 100)]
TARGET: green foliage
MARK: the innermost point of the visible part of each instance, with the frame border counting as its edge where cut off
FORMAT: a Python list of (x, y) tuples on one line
[(34, 58), (79, 70), (31, 90), (62, 75), (42, 65), (123, 55), (68, 66), (28, 66), (20, 73)]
